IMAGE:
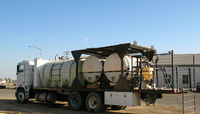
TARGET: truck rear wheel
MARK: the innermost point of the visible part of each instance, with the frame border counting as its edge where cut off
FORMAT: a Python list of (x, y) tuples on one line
[(94, 102), (21, 96), (75, 101)]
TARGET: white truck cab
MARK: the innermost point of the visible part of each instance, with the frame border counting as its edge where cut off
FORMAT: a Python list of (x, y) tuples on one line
[(24, 73)]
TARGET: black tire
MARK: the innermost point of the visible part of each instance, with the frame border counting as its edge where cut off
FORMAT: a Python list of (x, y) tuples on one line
[(117, 107), (21, 96), (94, 102), (75, 101)]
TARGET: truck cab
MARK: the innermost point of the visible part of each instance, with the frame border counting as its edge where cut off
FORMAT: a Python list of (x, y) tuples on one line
[(24, 74)]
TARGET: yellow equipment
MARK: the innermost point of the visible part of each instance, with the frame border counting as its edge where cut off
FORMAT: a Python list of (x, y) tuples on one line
[(147, 73)]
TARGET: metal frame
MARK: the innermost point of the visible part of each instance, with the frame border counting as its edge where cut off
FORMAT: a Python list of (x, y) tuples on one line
[(121, 50)]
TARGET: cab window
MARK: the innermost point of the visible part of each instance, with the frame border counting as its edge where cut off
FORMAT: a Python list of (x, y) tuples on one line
[(20, 68)]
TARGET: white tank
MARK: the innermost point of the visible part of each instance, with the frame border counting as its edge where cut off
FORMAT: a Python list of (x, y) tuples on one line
[(92, 68), (112, 67), (59, 74)]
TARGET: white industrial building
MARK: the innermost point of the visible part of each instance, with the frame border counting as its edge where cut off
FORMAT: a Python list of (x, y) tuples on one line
[(186, 70)]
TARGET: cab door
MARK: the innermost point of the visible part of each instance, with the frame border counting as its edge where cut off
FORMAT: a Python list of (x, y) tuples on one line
[(20, 75)]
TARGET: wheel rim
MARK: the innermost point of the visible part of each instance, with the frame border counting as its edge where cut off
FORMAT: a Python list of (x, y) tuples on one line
[(21, 96), (74, 102), (93, 102)]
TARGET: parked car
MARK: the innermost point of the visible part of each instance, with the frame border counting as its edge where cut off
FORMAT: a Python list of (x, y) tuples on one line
[(2, 86)]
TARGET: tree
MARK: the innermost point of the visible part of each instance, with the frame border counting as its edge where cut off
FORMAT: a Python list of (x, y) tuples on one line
[(9, 80), (6, 79)]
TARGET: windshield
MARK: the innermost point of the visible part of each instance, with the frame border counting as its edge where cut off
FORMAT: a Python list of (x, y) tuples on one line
[(20, 68)]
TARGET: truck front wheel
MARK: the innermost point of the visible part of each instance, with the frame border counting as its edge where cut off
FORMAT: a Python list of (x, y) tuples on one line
[(21, 96), (94, 102)]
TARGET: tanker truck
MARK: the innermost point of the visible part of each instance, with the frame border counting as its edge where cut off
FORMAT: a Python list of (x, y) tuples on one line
[(106, 77)]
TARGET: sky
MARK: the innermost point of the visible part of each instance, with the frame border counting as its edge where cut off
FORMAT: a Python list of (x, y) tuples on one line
[(56, 26)]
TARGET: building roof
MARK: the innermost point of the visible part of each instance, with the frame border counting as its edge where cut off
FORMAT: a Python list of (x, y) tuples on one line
[(179, 59)]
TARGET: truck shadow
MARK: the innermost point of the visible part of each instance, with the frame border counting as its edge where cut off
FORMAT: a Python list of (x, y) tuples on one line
[(32, 106)]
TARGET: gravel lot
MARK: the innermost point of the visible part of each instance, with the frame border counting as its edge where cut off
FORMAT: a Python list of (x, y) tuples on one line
[(169, 104)]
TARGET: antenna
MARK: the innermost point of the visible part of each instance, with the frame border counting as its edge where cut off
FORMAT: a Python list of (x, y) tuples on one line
[(67, 54), (56, 57)]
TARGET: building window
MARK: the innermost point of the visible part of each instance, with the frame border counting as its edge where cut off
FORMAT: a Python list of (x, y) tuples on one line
[(185, 79)]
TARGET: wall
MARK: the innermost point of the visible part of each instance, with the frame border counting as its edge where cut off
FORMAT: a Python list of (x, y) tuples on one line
[(182, 70)]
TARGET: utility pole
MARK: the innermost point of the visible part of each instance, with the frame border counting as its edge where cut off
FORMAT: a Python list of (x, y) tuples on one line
[(38, 49)]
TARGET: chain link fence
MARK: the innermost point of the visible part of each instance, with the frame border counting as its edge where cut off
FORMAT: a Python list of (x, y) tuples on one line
[(181, 73)]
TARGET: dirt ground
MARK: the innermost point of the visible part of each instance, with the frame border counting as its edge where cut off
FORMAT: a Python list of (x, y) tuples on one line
[(169, 104)]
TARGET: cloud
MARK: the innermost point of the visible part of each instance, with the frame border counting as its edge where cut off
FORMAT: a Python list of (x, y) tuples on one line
[(85, 39)]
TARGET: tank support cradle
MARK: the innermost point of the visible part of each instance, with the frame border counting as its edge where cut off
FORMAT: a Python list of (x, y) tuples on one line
[(122, 84), (76, 84)]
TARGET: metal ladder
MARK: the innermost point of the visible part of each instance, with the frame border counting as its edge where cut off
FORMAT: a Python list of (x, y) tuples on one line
[(167, 78)]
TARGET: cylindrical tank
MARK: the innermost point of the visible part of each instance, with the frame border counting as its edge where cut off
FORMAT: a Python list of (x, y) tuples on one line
[(92, 68), (112, 67), (59, 74)]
